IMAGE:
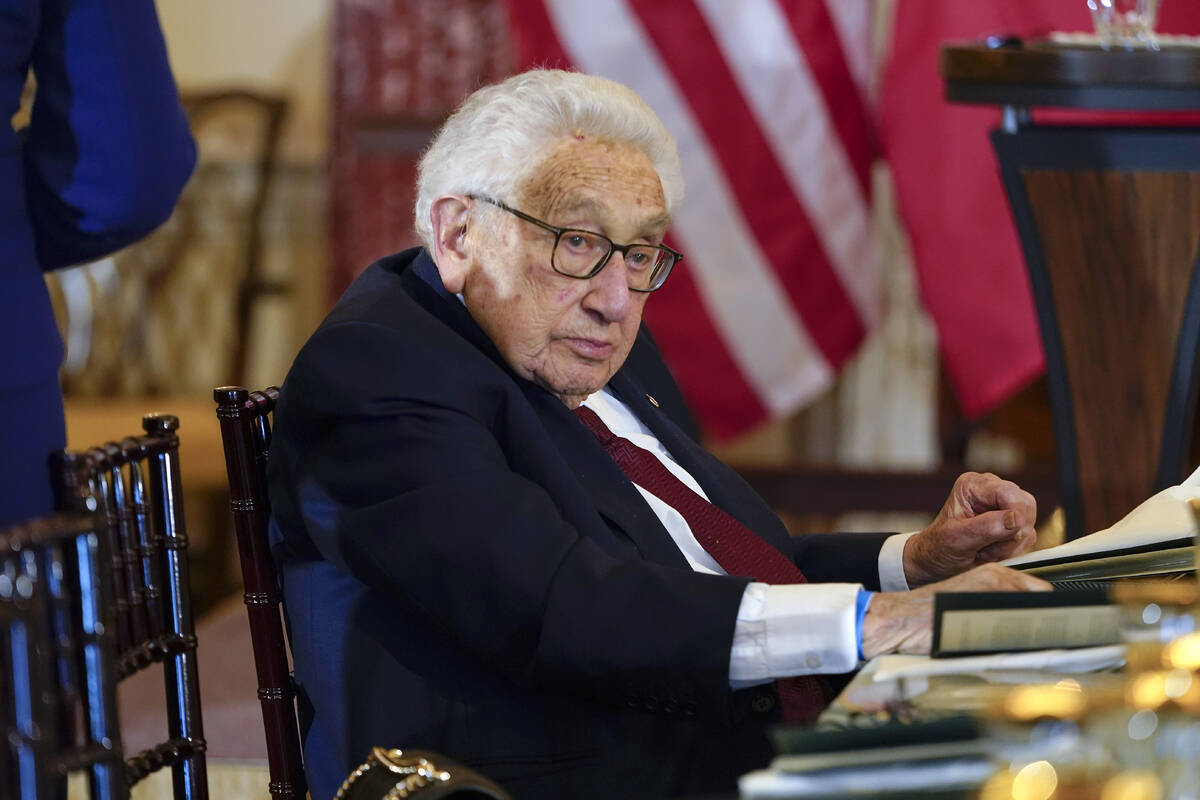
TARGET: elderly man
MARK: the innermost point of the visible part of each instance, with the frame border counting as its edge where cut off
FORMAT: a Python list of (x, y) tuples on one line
[(493, 541)]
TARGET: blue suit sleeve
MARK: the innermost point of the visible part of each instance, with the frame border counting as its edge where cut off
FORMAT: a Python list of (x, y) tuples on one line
[(108, 149)]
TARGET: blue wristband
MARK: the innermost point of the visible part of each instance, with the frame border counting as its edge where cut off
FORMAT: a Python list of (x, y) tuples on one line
[(860, 611)]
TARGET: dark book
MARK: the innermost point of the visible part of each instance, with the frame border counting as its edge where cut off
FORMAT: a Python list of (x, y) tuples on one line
[(976, 623)]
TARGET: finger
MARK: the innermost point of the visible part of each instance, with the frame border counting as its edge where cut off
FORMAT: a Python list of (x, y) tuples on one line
[(1021, 541), (987, 491), (1016, 580), (993, 577), (973, 534), (1013, 497), (1023, 581)]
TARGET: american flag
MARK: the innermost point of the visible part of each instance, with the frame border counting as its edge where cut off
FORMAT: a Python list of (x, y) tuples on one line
[(767, 101)]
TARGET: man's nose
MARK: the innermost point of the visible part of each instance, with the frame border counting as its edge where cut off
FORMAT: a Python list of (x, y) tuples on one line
[(608, 292)]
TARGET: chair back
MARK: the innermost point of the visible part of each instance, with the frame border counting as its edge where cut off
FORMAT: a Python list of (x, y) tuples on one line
[(133, 485), (245, 419), (176, 312), (58, 667)]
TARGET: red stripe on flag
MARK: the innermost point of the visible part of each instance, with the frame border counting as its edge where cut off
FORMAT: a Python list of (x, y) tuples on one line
[(774, 215), (817, 39), (715, 387), (537, 43)]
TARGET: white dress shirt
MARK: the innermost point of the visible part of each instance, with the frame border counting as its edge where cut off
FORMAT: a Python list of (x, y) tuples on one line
[(781, 630)]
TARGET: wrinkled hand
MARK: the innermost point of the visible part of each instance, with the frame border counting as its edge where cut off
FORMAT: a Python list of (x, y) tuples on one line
[(984, 519), (902, 622)]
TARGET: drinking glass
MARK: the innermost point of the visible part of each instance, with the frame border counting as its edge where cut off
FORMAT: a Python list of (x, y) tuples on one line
[(1125, 23)]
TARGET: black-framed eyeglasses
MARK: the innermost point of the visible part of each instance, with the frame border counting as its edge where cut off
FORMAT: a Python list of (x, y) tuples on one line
[(582, 254)]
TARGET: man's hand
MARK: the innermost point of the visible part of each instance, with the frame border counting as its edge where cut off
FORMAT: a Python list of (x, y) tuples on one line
[(902, 622), (984, 519)]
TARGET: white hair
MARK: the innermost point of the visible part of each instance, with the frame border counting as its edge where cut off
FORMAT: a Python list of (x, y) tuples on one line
[(489, 145)]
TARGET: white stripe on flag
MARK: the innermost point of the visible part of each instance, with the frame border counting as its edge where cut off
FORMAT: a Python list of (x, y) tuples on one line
[(741, 291), (777, 83), (852, 18)]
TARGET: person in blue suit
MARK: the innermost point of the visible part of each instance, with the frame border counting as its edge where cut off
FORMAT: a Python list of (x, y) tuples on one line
[(101, 163), (465, 567)]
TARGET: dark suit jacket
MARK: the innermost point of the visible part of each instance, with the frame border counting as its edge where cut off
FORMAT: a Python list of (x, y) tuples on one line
[(466, 570)]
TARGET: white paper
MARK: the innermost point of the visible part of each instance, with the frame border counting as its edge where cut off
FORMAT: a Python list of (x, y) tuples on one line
[(1165, 516), (983, 630), (916, 776), (1093, 40), (1084, 659)]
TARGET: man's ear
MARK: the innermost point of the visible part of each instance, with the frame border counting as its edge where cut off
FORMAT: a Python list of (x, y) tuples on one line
[(449, 215)]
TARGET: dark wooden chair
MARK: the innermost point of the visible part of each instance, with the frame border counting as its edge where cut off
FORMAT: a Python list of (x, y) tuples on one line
[(269, 112), (133, 485), (14, 686), (58, 666), (245, 419)]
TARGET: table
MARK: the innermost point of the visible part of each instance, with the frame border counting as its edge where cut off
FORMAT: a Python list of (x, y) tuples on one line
[(1046, 74), (866, 701), (1109, 222), (908, 738)]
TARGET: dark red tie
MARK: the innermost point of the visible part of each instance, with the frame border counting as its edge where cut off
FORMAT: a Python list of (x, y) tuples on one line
[(735, 547)]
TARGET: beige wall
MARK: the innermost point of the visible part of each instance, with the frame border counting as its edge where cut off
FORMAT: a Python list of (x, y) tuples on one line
[(273, 45), (282, 47)]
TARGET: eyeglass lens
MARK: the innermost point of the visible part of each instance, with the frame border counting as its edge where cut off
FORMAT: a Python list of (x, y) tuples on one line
[(580, 253)]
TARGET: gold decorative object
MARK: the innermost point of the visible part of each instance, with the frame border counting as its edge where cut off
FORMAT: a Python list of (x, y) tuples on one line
[(413, 772)]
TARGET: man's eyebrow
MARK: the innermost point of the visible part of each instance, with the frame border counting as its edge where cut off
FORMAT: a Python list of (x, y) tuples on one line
[(590, 206), (585, 204), (657, 224)]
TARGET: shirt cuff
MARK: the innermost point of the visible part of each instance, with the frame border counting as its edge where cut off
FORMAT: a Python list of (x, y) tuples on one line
[(794, 629), (891, 563)]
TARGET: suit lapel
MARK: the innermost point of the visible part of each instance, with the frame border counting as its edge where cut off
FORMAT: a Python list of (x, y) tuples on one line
[(609, 489)]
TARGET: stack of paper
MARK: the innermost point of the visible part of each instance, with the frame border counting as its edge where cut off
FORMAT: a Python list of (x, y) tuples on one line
[(1156, 538)]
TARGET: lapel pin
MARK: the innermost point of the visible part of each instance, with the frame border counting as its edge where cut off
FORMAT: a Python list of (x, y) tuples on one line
[(651, 399)]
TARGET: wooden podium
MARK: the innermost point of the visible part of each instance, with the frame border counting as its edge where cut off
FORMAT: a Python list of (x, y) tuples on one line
[(1109, 222)]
